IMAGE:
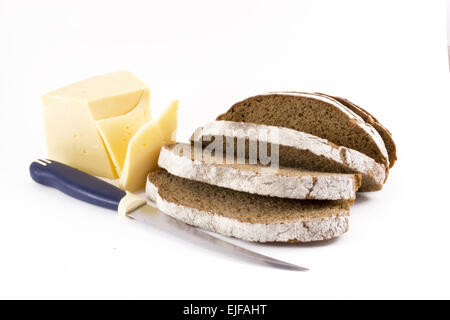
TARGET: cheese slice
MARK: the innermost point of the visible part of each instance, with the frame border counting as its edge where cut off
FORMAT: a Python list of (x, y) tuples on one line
[(70, 115), (144, 148), (142, 156), (117, 132), (168, 122)]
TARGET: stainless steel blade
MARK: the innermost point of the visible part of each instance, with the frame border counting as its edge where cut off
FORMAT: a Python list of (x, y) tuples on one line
[(154, 217)]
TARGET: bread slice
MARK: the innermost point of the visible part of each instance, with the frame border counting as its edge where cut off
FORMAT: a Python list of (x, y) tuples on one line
[(184, 161), (246, 216), (385, 134), (301, 150), (315, 114)]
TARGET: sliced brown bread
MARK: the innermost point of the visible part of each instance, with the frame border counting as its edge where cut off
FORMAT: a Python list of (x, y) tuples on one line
[(246, 216), (184, 161), (315, 114), (370, 119), (301, 150)]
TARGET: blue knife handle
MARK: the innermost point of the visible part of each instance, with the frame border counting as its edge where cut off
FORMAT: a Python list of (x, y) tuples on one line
[(76, 183)]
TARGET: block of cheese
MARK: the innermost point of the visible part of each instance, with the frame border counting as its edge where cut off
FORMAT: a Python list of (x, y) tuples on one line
[(70, 115), (116, 132), (144, 148)]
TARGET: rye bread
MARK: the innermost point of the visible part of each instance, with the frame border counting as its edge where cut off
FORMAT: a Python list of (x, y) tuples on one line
[(246, 216), (184, 161), (385, 134), (315, 114), (301, 150)]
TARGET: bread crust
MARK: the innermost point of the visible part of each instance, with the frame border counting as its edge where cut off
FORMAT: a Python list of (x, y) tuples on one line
[(385, 134), (303, 230), (373, 173)]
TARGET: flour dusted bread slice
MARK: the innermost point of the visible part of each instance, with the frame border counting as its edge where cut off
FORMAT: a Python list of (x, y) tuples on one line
[(185, 161), (301, 150), (246, 216), (318, 115), (371, 120)]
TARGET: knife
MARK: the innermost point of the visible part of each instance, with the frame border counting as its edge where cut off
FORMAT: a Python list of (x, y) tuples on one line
[(88, 188)]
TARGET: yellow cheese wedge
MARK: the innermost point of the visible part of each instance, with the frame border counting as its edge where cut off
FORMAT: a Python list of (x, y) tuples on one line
[(142, 156), (168, 122), (116, 132), (70, 114), (144, 148)]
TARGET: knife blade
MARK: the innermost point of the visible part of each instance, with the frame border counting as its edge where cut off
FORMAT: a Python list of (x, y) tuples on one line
[(88, 188)]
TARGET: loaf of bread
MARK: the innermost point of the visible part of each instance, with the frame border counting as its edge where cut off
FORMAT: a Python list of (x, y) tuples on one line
[(325, 147), (246, 216)]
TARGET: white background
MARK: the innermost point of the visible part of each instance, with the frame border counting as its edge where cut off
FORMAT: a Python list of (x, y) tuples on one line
[(388, 56), (448, 22)]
